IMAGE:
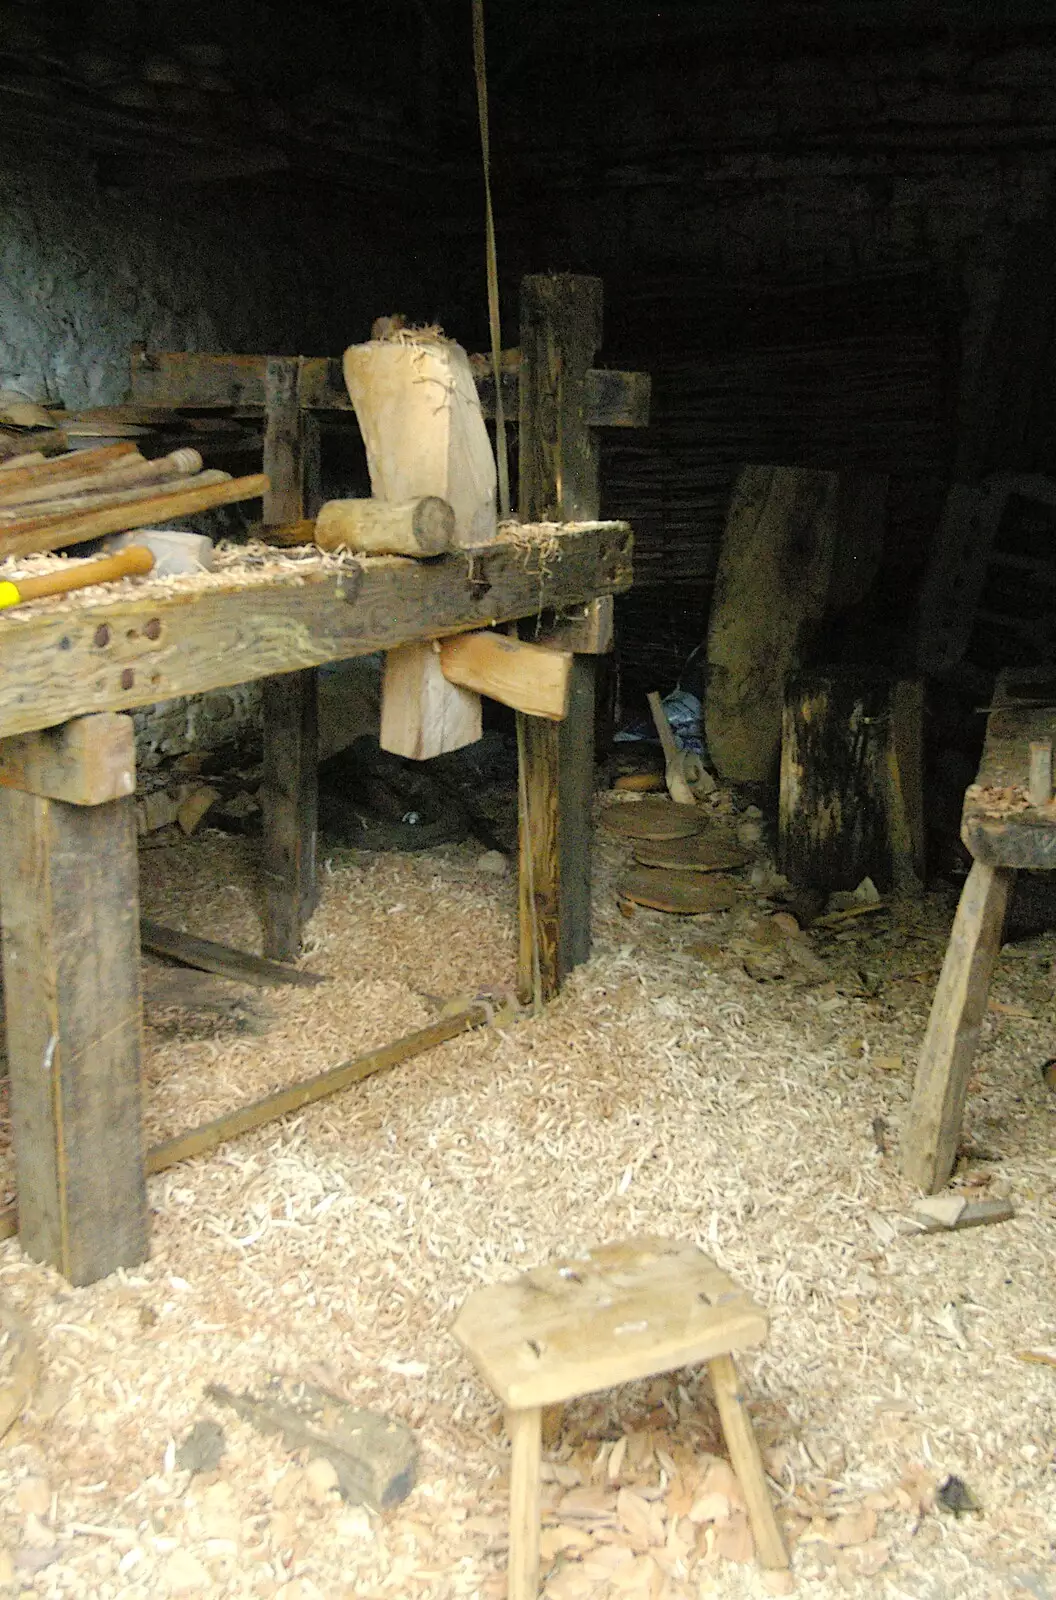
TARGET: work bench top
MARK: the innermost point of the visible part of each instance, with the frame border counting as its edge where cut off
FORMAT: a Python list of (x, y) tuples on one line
[(1000, 825), (265, 612)]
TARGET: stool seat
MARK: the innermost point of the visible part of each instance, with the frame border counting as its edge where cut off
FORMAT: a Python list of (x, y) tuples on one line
[(626, 1310)]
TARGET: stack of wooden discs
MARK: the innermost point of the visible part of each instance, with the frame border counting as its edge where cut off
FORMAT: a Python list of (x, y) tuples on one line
[(676, 857)]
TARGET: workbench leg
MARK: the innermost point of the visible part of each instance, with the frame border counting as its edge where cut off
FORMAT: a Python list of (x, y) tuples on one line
[(933, 1127), (525, 1430), (556, 838), (70, 914), (290, 801)]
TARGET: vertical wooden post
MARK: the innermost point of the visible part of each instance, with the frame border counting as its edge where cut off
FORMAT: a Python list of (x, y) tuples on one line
[(525, 1430), (290, 799), (933, 1126), (560, 333), (289, 791), (70, 915)]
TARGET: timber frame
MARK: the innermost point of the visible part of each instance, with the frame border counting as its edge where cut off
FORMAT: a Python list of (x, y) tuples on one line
[(69, 907)]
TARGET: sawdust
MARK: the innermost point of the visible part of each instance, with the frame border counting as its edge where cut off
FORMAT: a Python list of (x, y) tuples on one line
[(661, 1092)]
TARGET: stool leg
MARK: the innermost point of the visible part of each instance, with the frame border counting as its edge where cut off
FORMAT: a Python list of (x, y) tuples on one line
[(747, 1462), (525, 1430)]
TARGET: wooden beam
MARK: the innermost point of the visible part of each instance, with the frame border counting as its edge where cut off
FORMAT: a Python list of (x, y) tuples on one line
[(138, 649), (200, 381), (84, 762), (208, 956), (588, 630), (283, 442), (68, 891), (933, 1126), (290, 800), (560, 331), (529, 677)]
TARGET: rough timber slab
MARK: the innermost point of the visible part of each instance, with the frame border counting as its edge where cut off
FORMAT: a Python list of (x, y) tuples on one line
[(616, 1313), (57, 663)]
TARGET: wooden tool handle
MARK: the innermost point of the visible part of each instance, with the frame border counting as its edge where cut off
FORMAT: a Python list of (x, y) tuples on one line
[(23, 519), (128, 563), (144, 514), (663, 728), (124, 473), (75, 464)]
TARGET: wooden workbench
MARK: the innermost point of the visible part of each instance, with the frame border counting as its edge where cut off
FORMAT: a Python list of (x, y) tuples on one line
[(77, 667), (1005, 831)]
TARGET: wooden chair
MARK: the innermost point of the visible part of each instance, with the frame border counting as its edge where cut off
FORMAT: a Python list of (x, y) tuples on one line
[(626, 1310), (1008, 823)]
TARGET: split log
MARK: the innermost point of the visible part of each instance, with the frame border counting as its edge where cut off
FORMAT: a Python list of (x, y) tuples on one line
[(419, 414), (421, 527), (422, 714), (850, 798)]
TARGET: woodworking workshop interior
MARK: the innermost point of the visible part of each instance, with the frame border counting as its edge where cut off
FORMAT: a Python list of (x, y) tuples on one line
[(527, 800)]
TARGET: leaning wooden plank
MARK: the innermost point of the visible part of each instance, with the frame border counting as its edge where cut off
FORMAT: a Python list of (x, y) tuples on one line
[(62, 661), (46, 514), (201, 1141), (75, 529), (71, 976), (949, 1213), (933, 1126), (84, 762), (528, 677), (75, 464), (422, 714), (211, 957)]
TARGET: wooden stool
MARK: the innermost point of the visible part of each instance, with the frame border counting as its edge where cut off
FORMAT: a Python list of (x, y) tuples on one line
[(627, 1310)]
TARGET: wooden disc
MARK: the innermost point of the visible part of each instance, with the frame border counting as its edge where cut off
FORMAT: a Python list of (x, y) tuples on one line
[(685, 893), (696, 852), (655, 817)]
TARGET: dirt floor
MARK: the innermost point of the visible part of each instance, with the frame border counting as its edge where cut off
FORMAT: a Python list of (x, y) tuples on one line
[(698, 1079)]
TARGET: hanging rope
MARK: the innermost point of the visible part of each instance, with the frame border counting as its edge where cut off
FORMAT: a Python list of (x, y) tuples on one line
[(480, 67)]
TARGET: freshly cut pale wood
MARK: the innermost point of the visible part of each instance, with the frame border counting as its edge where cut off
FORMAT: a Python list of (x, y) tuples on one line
[(933, 1126), (686, 894), (12, 463), (622, 1311), (184, 502), (526, 1433), (84, 762), (421, 527), (122, 473), (422, 714), (710, 851), (58, 469), (529, 677), (747, 1462), (655, 817), (419, 414), (46, 513)]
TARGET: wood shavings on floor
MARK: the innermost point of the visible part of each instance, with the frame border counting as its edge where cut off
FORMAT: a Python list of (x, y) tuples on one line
[(665, 1091)]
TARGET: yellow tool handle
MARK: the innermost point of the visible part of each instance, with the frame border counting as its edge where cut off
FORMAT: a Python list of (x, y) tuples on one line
[(127, 563)]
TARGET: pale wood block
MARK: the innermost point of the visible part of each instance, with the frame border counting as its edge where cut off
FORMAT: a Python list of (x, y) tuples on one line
[(747, 1462), (422, 714), (933, 1126), (421, 527), (619, 1312), (529, 677), (419, 413), (525, 1430), (84, 762)]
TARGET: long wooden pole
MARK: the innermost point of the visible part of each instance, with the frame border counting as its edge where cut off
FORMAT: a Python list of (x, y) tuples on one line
[(208, 1137)]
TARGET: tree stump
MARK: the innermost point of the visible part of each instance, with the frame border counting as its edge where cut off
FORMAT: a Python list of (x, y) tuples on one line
[(850, 800)]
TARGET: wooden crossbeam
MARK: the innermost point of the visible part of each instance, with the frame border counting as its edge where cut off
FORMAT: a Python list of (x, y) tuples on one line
[(196, 380)]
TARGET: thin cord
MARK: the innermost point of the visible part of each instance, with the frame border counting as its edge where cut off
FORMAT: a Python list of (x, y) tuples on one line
[(480, 67)]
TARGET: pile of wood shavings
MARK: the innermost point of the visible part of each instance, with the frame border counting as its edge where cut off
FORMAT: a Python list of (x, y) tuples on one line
[(654, 1095)]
